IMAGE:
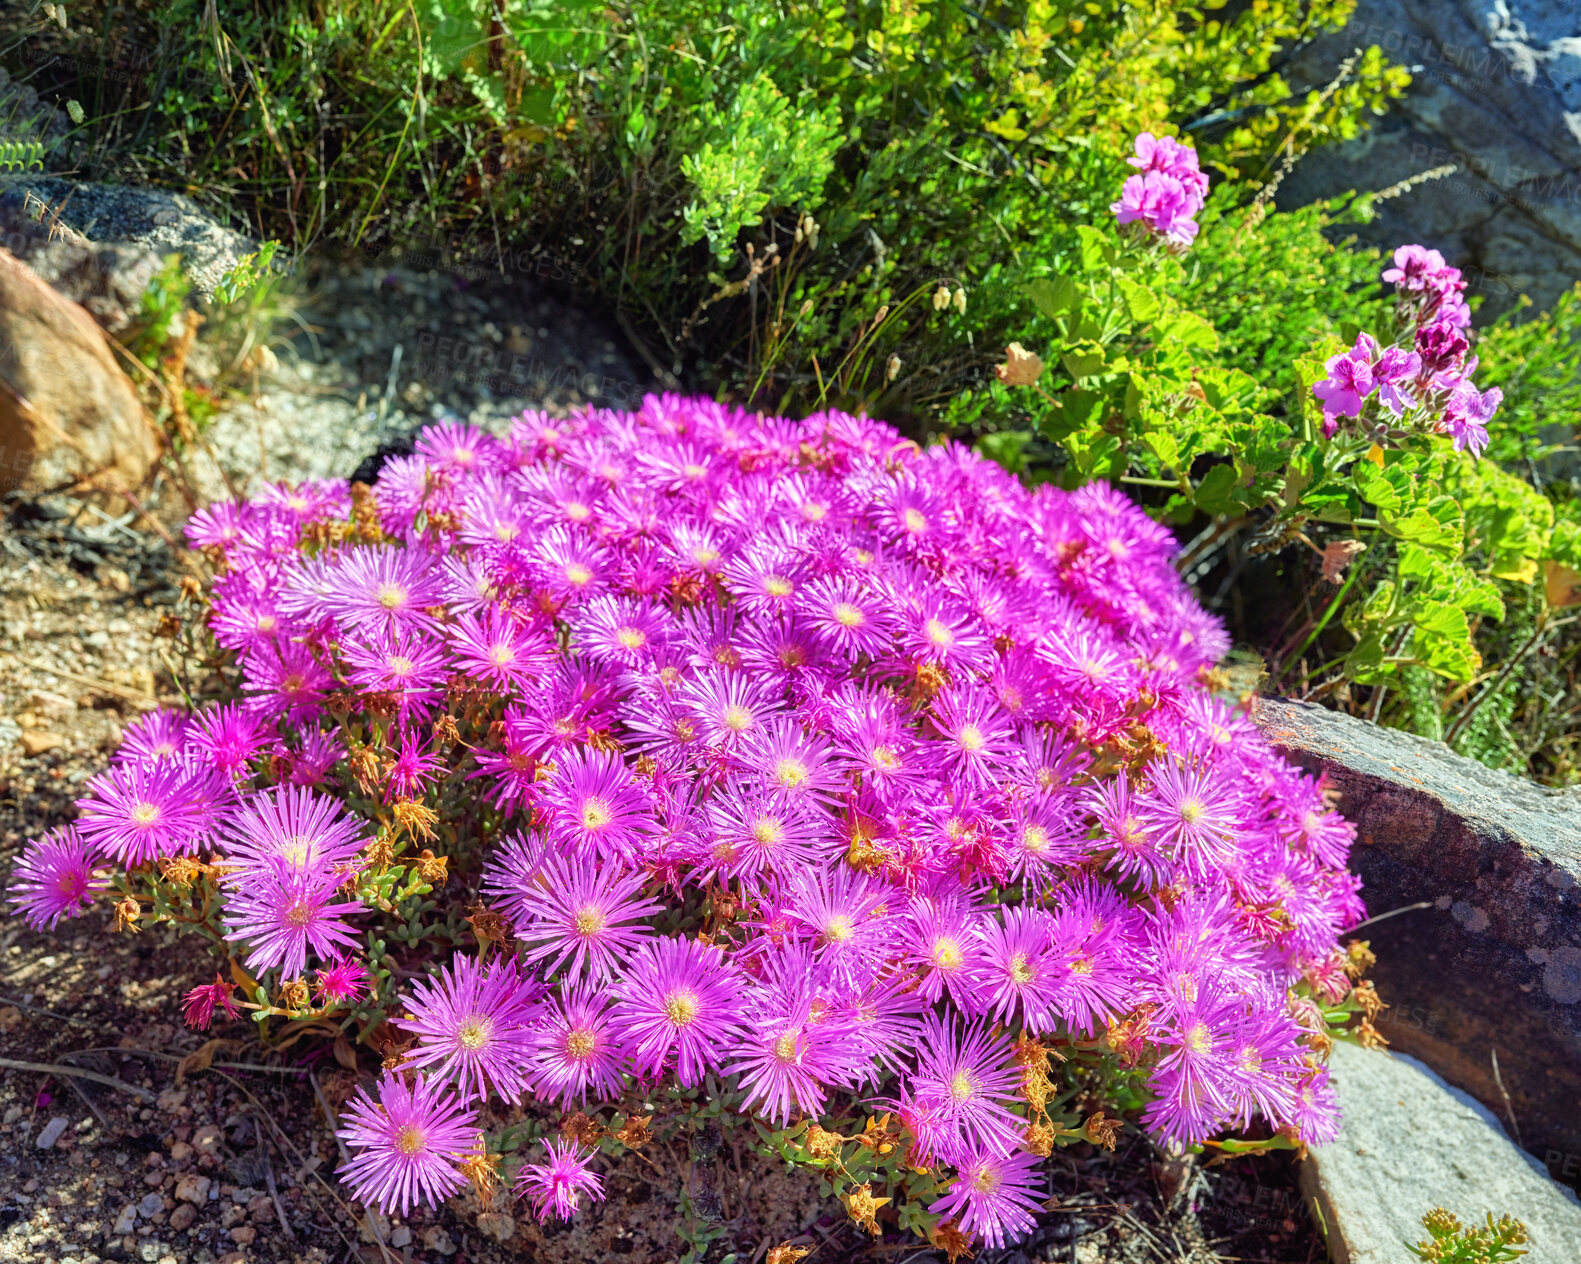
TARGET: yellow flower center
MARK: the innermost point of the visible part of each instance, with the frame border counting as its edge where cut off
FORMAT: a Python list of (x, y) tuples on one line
[(631, 638), (580, 1043), (577, 511), (961, 1087), (767, 830), (839, 929), (1198, 1039), (502, 656), (736, 718), (885, 757), (947, 954), (596, 814), (785, 1047), (589, 920), (1192, 810), (790, 772), (410, 1140), (265, 623), (970, 737), (400, 665), (474, 1032), (145, 813), (986, 1181), (576, 573), (778, 586), (915, 522), (694, 472), (1021, 969), (298, 915), (391, 596), (847, 615), (939, 633), (812, 511), (703, 555), (682, 1007), (1035, 839)]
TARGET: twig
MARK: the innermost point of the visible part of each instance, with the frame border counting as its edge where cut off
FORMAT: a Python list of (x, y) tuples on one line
[(52, 1068), (1504, 1093), (49, 1013), (93, 682), (274, 1193), (1404, 908)]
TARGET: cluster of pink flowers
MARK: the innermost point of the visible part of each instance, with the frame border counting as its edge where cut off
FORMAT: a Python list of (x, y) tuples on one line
[(935, 748), (1423, 379), (1166, 195)]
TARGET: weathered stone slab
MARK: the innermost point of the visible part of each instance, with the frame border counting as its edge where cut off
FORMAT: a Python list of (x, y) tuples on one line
[(1410, 1143), (1496, 92), (1494, 962)]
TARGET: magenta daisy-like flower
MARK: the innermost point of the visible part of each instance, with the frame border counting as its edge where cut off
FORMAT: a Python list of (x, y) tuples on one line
[(680, 999), (498, 648), (576, 1048), (785, 1055), (1188, 810), (375, 588), (581, 913), (282, 910), (408, 1145), (556, 1187), (997, 1196), (594, 808), (293, 826), (53, 878), (474, 1026), (156, 737), (135, 813), (977, 741), (964, 1082), (404, 665), (230, 738), (342, 982), (201, 1000)]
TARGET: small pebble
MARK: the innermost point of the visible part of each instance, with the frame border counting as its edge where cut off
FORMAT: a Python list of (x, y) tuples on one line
[(126, 1221), (150, 1204), (51, 1134), (183, 1216), (400, 1237)]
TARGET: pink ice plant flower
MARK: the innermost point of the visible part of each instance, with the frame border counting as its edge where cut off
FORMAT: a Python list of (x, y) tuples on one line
[(557, 1187), (408, 1145)]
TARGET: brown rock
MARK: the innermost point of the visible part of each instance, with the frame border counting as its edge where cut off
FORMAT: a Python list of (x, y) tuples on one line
[(68, 413), (193, 1188), (183, 1216), (1477, 875), (37, 741), (499, 1225), (243, 1235)]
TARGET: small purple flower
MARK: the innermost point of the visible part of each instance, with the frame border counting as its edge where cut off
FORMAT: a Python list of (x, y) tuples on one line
[(995, 1195), (474, 1026), (342, 982), (407, 1145), (282, 910), (201, 1000), (678, 998), (1467, 414), (1349, 381), (580, 914), (556, 1187), (1393, 375), (53, 878), (575, 1046)]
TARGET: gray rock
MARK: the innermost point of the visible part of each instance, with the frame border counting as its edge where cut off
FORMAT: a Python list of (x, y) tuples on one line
[(51, 1133), (127, 1220), (150, 1204), (1493, 963), (1497, 92), (1410, 1143), (100, 244)]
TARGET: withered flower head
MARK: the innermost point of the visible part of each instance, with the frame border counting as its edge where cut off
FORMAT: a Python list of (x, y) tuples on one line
[(863, 1208), (635, 1133)]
